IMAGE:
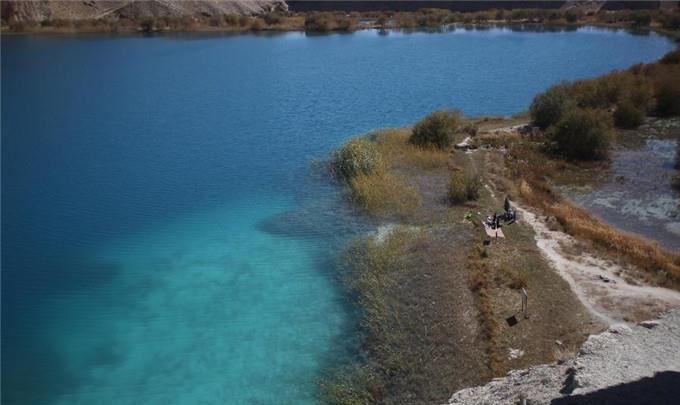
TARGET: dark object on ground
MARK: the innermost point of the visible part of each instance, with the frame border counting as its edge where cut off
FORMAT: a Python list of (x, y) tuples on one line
[(663, 388), (512, 321)]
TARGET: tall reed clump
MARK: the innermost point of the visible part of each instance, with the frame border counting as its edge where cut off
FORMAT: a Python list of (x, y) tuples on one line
[(371, 266), (373, 187), (464, 185), (437, 130), (358, 156), (398, 152)]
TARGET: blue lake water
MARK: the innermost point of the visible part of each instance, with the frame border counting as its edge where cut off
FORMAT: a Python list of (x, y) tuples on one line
[(164, 237)]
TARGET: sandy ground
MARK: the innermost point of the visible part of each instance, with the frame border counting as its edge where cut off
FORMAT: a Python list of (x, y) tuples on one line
[(599, 283)]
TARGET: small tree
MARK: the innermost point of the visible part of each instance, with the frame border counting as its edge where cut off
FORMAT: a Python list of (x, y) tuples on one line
[(437, 129), (627, 115), (547, 107), (671, 58), (583, 133), (668, 92)]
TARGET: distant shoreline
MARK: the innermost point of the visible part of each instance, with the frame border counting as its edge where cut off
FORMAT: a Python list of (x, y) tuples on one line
[(342, 22)]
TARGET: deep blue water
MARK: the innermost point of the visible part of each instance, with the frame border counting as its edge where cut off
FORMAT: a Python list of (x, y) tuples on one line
[(164, 239)]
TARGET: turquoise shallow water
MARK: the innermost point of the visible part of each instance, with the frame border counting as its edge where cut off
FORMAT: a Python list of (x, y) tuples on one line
[(164, 239), (220, 311)]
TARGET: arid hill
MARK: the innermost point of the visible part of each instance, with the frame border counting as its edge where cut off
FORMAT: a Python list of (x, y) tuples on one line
[(44, 10)]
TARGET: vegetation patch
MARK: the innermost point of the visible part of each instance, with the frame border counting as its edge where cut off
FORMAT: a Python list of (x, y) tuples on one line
[(481, 283), (384, 194), (437, 130), (530, 168), (582, 134), (398, 152), (357, 157), (464, 185), (577, 115)]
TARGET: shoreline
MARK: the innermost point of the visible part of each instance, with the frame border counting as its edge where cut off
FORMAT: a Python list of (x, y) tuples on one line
[(582, 275)]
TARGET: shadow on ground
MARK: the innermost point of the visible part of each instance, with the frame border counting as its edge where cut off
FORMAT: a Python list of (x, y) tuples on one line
[(663, 388)]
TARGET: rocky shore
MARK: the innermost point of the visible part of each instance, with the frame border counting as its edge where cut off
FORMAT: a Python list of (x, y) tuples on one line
[(631, 364)]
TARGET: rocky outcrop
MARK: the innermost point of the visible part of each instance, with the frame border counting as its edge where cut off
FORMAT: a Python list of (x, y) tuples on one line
[(43, 10), (639, 363)]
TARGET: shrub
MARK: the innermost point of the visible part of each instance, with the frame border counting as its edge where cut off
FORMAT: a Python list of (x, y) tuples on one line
[(147, 24), (436, 130), (272, 18), (671, 58), (641, 19), (671, 22), (666, 79), (324, 22), (547, 107), (571, 16), (457, 190), (582, 134), (627, 115), (357, 157), (463, 186)]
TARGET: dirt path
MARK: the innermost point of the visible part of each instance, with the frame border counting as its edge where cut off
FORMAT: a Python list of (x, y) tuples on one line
[(599, 283)]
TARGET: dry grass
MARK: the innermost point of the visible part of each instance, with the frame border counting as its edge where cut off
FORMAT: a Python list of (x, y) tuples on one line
[(663, 267), (395, 148), (496, 139), (481, 283), (372, 269), (514, 277), (385, 194)]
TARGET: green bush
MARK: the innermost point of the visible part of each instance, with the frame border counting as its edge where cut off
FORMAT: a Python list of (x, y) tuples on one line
[(671, 22), (667, 91), (547, 107), (437, 129), (357, 157), (571, 16), (272, 18), (583, 134), (326, 21), (641, 19), (671, 58), (627, 115), (463, 186)]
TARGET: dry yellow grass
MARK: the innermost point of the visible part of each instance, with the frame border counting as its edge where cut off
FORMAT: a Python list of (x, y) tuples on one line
[(395, 148), (496, 140), (644, 253), (480, 281), (663, 266), (383, 194)]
